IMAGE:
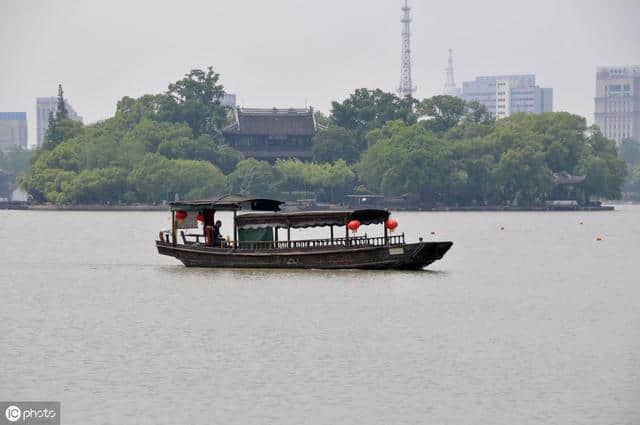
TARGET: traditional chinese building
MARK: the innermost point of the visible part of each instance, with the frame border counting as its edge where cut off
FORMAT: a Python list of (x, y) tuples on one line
[(568, 190), (269, 134)]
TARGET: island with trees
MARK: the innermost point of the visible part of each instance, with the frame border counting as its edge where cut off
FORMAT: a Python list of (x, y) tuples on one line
[(439, 151)]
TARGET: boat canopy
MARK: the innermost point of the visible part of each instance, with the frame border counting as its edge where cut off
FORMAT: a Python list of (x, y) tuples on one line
[(228, 203), (311, 219)]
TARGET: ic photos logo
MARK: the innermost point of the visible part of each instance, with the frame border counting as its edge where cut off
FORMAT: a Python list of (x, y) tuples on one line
[(12, 413)]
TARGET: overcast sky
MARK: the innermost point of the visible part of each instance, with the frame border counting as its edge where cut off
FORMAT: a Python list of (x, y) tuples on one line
[(292, 52)]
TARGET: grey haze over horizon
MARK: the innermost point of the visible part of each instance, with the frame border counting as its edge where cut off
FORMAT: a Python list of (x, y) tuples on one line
[(292, 53)]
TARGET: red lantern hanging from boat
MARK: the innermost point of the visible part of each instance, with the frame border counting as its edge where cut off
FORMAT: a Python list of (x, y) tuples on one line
[(181, 216), (391, 224), (353, 225), (201, 218)]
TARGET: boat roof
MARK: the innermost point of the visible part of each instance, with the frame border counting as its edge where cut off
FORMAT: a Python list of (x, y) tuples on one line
[(228, 203), (312, 218)]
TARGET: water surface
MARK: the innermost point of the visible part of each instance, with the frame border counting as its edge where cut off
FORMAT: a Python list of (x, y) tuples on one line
[(538, 323)]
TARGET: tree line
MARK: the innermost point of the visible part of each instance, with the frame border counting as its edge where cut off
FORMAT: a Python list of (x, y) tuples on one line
[(630, 153), (439, 150)]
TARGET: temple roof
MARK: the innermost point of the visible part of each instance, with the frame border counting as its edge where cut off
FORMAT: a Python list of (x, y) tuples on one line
[(273, 122)]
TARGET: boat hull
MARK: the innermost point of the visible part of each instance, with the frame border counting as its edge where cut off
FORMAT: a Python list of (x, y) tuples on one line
[(403, 257)]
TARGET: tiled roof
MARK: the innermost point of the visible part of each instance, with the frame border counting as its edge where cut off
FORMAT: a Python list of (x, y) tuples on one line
[(275, 122)]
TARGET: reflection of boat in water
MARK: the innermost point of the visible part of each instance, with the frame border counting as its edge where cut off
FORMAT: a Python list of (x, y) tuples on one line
[(256, 244)]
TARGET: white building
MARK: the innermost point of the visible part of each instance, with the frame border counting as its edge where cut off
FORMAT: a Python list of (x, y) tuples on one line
[(617, 102), (45, 106), (504, 95)]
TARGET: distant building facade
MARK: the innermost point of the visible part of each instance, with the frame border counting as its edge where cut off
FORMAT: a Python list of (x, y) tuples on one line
[(13, 131), (228, 100), (504, 95), (45, 106), (269, 134), (617, 102)]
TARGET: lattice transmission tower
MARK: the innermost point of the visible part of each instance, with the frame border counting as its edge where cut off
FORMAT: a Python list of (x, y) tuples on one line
[(406, 87), (450, 88)]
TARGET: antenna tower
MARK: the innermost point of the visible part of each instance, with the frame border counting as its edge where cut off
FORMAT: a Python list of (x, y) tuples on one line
[(406, 86), (450, 88)]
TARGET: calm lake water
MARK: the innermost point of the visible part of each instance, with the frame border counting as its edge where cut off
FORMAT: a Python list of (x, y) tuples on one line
[(538, 323)]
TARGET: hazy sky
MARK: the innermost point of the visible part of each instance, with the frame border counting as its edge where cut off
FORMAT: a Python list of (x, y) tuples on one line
[(291, 52)]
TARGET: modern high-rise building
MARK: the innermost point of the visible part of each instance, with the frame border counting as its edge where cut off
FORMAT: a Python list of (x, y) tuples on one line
[(45, 106), (617, 102), (13, 130), (504, 95)]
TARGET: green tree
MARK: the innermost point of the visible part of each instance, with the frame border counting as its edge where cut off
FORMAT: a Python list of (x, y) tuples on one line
[(366, 110), (60, 126), (524, 176), (101, 185), (321, 119), (253, 177), (195, 100), (411, 160), (339, 180), (61, 106), (600, 163), (16, 161), (442, 112), (293, 175), (5, 184), (156, 176), (201, 148), (630, 151), (335, 143), (48, 184), (129, 111), (633, 183), (476, 112)]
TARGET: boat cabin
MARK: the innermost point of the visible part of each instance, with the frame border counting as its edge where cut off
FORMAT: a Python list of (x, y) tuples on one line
[(257, 221)]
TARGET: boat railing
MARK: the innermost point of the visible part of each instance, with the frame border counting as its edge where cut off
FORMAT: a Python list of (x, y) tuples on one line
[(354, 241)]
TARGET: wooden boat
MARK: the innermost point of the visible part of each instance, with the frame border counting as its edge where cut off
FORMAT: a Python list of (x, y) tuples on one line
[(255, 241)]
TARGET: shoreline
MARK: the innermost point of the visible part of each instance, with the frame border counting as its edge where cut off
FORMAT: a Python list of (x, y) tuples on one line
[(150, 207)]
